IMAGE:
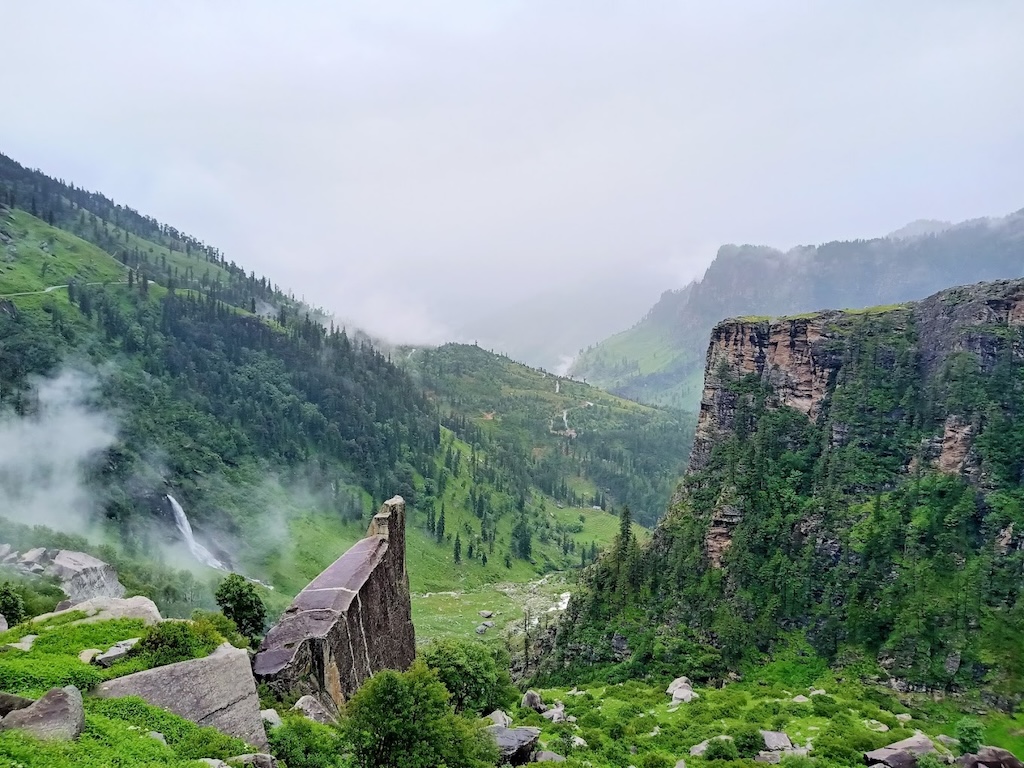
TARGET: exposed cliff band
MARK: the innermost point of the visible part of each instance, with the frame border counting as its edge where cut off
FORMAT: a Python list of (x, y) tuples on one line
[(350, 622)]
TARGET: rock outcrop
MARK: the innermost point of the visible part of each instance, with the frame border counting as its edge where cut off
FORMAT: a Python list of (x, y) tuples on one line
[(990, 757), (104, 608), (57, 716), (218, 691), (82, 576), (901, 754), (515, 745), (351, 621)]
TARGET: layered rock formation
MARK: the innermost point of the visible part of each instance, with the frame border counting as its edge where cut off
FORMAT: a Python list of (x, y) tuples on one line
[(351, 621), (82, 576)]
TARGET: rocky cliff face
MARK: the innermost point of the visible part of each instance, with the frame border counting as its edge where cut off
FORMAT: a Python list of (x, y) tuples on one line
[(353, 620)]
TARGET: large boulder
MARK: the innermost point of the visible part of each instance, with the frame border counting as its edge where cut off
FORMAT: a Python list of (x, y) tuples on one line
[(990, 757), (776, 741), (681, 691), (57, 716), (499, 717), (350, 622), (901, 754), (314, 709), (117, 652), (515, 745), (104, 608), (83, 577), (532, 700), (217, 691), (9, 703)]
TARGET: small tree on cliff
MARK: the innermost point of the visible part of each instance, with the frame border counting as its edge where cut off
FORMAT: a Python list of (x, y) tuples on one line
[(241, 603)]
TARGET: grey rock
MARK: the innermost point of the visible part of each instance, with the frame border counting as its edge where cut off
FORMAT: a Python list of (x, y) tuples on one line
[(678, 683), (88, 655), (948, 741), (487, 624), (314, 709), (218, 691), (579, 742), (801, 699), (253, 760), (84, 577), (990, 757), (5, 550), (515, 745), (117, 652), (350, 622), (480, 629), (699, 749), (680, 764), (901, 754), (555, 714), (952, 663), (904, 717), (776, 741), (548, 757), (532, 700), (158, 736), (57, 716), (104, 608), (768, 757), (500, 718), (10, 703), (213, 762), (25, 644), (3, 623), (33, 557), (486, 614), (271, 719)]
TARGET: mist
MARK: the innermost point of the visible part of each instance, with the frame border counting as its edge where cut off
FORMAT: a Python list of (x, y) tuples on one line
[(45, 456)]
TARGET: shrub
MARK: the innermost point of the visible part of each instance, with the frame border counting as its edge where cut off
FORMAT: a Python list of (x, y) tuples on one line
[(12, 606), (302, 743), (825, 706), (477, 679), (222, 625), (747, 739), (656, 760), (970, 733), (721, 749), (172, 641), (930, 760)]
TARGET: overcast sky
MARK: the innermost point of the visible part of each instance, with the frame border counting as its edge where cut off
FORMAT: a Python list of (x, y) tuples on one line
[(408, 165)]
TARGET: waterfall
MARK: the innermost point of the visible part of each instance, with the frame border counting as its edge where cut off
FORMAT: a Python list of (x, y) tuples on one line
[(199, 552)]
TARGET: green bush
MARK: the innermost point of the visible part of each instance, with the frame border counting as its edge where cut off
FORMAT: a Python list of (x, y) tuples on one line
[(475, 675), (825, 706), (748, 740), (655, 760), (930, 760), (240, 602), (172, 641), (222, 625), (34, 674), (302, 743), (721, 749), (12, 605), (970, 733)]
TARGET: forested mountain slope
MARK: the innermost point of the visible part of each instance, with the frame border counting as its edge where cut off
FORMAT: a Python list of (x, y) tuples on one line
[(277, 435), (660, 359), (578, 444), (856, 477)]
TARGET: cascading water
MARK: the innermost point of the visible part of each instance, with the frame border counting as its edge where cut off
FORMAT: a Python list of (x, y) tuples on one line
[(199, 552)]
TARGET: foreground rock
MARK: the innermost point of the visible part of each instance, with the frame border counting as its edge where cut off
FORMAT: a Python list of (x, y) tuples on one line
[(990, 757), (252, 760), (58, 716), (776, 741), (901, 754), (353, 620), (515, 745), (10, 702), (104, 608), (314, 709), (117, 652), (218, 691)]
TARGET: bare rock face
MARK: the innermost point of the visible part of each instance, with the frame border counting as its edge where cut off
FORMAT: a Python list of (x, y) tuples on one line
[(58, 716), (84, 577), (312, 708), (353, 620), (218, 691), (104, 608)]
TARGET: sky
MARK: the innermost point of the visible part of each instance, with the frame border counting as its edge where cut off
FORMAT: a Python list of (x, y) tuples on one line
[(413, 167)]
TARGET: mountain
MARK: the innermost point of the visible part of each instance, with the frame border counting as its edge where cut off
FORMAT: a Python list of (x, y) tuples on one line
[(580, 445), (660, 359), (856, 481), (163, 369)]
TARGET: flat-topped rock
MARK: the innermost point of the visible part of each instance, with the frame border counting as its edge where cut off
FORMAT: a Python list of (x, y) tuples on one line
[(218, 691), (901, 754), (515, 745), (350, 622), (104, 608)]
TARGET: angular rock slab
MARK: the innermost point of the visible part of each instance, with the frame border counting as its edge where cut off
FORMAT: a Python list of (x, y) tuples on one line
[(83, 577), (313, 709), (498, 717), (901, 754), (58, 716), (776, 741), (515, 745), (532, 700), (218, 691), (990, 757)]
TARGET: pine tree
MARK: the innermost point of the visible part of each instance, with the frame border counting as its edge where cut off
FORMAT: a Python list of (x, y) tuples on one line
[(458, 549), (439, 528)]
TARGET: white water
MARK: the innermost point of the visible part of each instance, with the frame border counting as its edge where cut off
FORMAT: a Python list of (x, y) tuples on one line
[(565, 420), (562, 604), (199, 552)]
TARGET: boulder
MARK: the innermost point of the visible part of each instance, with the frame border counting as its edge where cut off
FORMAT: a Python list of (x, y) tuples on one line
[(548, 757), (532, 700), (680, 763), (33, 557), (486, 614), (104, 608), (901, 754), (948, 741), (500, 718), (990, 757), (579, 742), (271, 719), (904, 717), (487, 624), (213, 762), (253, 760), (776, 741), (88, 655), (556, 714), (768, 757), (25, 644), (117, 652), (679, 682), (83, 577), (515, 745), (801, 699), (57, 716), (313, 709), (10, 703), (218, 691), (480, 629)]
